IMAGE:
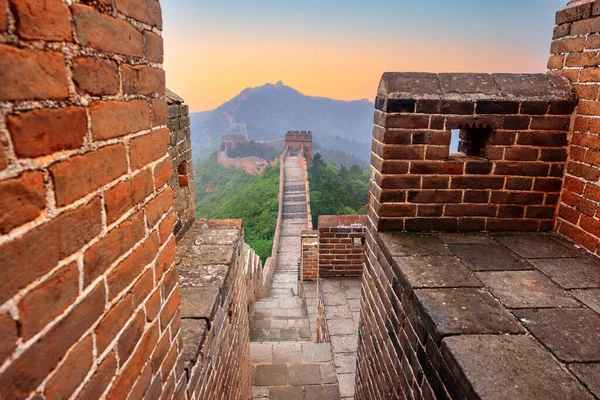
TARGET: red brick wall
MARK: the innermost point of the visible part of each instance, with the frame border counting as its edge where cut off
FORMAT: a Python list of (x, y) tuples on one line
[(300, 140), (341, 245), (575, 56), (88, 288), (310, 256), (514, 184)]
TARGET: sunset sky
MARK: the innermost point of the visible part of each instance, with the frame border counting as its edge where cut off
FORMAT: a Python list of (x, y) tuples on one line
[(340, 48)]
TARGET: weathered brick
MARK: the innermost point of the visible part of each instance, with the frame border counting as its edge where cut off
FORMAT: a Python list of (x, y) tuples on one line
[(514, 183), (96, 76), (441, 168), (147, 11), (78, 176), (99, 381), (549, 139), (570, 45), (162, 173), (522, 168), (131, 267), (550, 123), (72, 371), (48, 300), (159, 207), (24, 374), (143, 79), (159, 112), (8, 332), (435, 196), (153, 306), (519, 198), (165, 259), (166, 226), (23, 199), (113, 322), (41, 132), (169, 309), (407, 121), (111, 119), (32, 74), (556, 61), (42, 20), (127, 194), (131, 336), (590, 225), (31, 256), (153, 47), (103, 253), (148, 148), (575, 13), (106, 33), (583, 171), (3, 15)]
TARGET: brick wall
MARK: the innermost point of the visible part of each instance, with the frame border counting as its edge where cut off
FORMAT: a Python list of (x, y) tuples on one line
[(508, 176), (341, 245), (309, 262), (182, 169), (300, 141), (575, 56), (213, 264), (88, 303)]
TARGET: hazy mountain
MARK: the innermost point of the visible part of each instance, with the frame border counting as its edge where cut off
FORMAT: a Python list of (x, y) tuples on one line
[(269, 111)]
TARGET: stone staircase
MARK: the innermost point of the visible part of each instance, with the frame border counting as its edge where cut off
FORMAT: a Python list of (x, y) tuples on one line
[(286, 364)]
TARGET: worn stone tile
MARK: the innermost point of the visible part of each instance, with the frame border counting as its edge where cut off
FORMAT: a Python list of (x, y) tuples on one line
[(304, 374), (198, 302), (346, 383), (572, 334), (262, 324), (192, 332), (526, 289), (261, 353), (344, 343), (287, 352), (349, 282), (571, 273), (537, 246), (328, 374), (341, 326), (322, 392), (333, 312), (264, 335), (508, 367), (260, 392), (353, 292), (271, 375), (488, 257), (345, 363), (331, 285), (334, 299), (354, 305), (429, 272), (289, 334), (465, 238), (409, 244), (287, 393), (589, 297), (589, 374), (316, 352), (277, 323), (464, 310)]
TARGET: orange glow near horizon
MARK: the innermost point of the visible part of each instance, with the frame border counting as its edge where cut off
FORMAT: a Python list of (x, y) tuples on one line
[(209, 72)]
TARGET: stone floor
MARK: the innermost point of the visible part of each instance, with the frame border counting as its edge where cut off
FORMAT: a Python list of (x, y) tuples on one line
[(286, 363), (527, 294)]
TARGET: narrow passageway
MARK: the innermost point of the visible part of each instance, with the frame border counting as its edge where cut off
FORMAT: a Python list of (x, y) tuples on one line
[(286, 363)]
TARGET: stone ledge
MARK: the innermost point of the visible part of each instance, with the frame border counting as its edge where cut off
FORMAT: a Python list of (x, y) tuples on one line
[(506, 320)]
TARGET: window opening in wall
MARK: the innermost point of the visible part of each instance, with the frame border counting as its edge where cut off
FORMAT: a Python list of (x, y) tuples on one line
[(470, 141)]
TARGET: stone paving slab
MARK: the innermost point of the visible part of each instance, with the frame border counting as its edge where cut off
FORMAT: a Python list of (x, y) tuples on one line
[(488, 257), (538, 246), (433, 272), (589, 374), (571, 273)]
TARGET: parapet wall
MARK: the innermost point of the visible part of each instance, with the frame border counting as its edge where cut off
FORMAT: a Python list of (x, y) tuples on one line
[(575, 56), (300, 141), (88, 305), (341, 245), (182, 169), (508, 173)]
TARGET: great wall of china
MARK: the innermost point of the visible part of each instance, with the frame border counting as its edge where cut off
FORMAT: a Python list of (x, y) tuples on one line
[(473, 276)]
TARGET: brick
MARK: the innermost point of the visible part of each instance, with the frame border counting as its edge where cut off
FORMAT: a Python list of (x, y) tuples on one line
[(522, 168), (407, 121), (130, 337), (147, 11), (573, 184), (513, 183), (578, 235), (516, 122), (550, 123), (477, 196), (153, 306), (583, 171), (32, 74), (103, 253), (587, 59), (166, 227), (437, 152), (113, 322), (169, 309), (142, 388), (127, 194), (592, 42), (169, 364), (439, 168), (435, 196), (431, 224), (547, 185), (165, 259), (590, 225), (518, 198), (148, 148), (592, 192), (41, 132), (511, 212), (546, 139), (131, 267), (105, 33), (473, 210), (553, 155), (27, 372), (502, 138), (587, 107), (541, 212), (534, 107), (477, 182), (561, 31), (391, 152), (162, 173), (99, 381), (23, 199), (131, 370), (169, 282), (400, 182), (568, 214), (159, 207), (71, 372), (78, 176), (587, 92), (153, 47), (162, 348), (33, 255), (521, 153), (571, 45), (436, 182), (556, 61), (42, 20), (143, 79), (8, 332), (48, 300), (497, 107), (159, 112), (95, 76), (571, 14), (111, 119), (586, 26), (579, 203), (427, 211)]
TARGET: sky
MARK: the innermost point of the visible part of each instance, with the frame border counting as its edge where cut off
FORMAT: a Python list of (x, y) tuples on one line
[(340, 48)]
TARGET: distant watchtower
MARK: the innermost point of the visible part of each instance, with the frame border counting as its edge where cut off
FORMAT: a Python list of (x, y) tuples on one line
[(300, 141)]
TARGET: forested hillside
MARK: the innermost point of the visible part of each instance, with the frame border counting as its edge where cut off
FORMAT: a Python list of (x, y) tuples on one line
[(337, 191), (231, 193)]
